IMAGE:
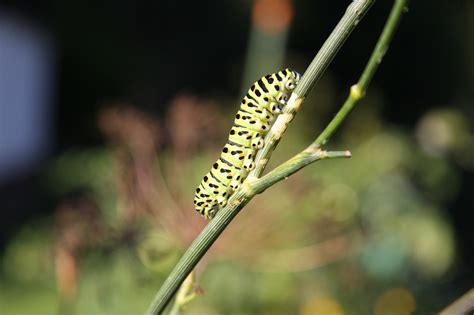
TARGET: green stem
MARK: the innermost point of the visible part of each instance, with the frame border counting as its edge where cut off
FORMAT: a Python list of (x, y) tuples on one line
[(197, 249), (302, 159), (212, 231), (354, 13), (254, 185), (357, 91), (313, 152)]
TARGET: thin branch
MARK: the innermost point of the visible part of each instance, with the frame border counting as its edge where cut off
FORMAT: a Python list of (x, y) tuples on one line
[(314, 152), (358, 90), (254, 185), (354, 13), (302, 159)]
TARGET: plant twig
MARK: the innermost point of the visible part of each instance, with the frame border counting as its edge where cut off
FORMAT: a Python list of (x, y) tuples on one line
[(254, 185), (354, 13), (313, 152), (357, 91), (302, 159)]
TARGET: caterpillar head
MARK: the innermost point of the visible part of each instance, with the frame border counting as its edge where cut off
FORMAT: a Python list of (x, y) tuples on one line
[(291, 79)]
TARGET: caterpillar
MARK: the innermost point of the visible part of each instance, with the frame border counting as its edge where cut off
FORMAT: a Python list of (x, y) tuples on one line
[(258, 110)]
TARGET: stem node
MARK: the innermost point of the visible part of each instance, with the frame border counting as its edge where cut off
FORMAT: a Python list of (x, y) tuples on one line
[(356, 93)]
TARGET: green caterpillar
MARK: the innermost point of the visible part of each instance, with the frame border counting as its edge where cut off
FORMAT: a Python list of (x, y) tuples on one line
[(258, 110)]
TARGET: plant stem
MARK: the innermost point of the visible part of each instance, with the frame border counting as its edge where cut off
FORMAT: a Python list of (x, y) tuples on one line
[(354, 13), (312, 153), (309, 155), (208, 236), (196, 250), (357, 91)]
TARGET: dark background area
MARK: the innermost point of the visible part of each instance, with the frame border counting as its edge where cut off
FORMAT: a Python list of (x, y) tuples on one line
[(145, 52)]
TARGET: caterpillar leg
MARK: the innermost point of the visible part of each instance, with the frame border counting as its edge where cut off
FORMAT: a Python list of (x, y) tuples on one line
[(257, 141), (249, 164), (263, 114), (210, 212), (236, 181), (223, 197), (282, 99), (207, 208), (275, 108)]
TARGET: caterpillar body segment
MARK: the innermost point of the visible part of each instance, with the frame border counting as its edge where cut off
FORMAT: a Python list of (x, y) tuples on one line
[(258, 110)]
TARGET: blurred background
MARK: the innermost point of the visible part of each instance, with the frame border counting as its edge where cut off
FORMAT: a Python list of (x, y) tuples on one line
[(111, 112)]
